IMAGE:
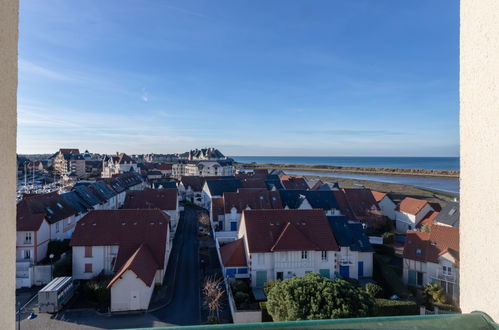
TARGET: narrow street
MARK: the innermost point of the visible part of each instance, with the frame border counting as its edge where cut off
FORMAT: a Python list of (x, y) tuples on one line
[(183, 275)]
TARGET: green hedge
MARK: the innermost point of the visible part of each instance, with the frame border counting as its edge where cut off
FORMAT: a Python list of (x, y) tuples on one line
[(266, 317), (387, 307), (447, 307)]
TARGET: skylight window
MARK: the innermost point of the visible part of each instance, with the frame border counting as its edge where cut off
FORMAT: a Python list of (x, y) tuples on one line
[(418, 252)]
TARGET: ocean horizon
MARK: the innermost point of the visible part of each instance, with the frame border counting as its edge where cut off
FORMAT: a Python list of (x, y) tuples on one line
[(427, 163)]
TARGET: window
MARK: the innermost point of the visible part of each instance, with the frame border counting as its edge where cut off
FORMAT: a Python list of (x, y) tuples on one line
[(324, 255), (279, 276), (304, 254), (88, 252), (447, 270), (57, 227), (88, 268), (419, 281), (27, 254), (27, 239), (418, 252)]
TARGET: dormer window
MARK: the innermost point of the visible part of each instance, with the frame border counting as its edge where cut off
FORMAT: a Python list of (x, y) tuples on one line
[(418, 252)]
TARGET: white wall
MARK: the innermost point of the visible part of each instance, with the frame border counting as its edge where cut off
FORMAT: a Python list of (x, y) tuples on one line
[(290, 263), (101, 260), (124, 289), (387, 207)]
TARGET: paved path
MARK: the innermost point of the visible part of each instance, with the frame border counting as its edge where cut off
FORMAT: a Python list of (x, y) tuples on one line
[(184, 308)]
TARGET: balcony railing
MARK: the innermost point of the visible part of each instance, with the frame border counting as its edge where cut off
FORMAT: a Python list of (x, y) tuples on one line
[(444, 276)]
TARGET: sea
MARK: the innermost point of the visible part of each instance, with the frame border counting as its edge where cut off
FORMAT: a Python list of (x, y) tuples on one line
[(449, 185)]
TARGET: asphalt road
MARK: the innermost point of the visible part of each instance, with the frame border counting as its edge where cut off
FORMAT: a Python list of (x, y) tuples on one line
[(184, 308)]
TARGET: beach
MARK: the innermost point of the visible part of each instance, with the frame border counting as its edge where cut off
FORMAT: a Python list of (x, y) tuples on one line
[(358, 170)]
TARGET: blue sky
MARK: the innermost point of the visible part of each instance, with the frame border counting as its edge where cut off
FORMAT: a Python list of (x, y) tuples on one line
[(304, 78)]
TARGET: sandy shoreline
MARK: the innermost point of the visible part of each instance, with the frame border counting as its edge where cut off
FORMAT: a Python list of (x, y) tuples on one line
[(396, 191), (357, 170)]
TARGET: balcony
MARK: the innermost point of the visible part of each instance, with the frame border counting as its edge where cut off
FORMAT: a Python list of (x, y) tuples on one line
[(444, 276)]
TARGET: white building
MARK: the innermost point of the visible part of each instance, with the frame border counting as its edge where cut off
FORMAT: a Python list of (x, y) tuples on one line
[(410, 212), (132, 245), (433, 257), (355, 259), (385, 203), (279, 244), (190, 189), (32, 238), (118, 164)]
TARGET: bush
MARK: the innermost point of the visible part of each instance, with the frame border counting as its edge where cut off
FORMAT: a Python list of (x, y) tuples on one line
[(387, 307), (374, 290), (312, 297), (97, 291), (241, 298), (240, 286), (58, 247), (388, 237), (266, 317), (447, 307), (64, 266), (269, 285), (433, 293)]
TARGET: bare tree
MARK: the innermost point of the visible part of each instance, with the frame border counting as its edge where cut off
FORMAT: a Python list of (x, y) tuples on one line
[(204, 219), (213, 292)]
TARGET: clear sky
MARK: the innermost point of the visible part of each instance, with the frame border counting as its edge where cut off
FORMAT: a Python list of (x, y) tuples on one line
[(304, 78)]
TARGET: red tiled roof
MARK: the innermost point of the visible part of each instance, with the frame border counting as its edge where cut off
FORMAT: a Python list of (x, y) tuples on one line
[(128, 229), (51, 205), (361, 202), (411, 205), (306, 229), (233, 254), (253, 197), (428, 219), (378, 196), (288, 238), (163, 199), (427, 247), (142, 263), (294, 182), (29, 222)]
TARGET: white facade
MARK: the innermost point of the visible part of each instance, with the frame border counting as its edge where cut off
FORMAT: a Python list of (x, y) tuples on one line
[(101, 259), (387, 207), (202, 168), (63, 229), (32, 245), (130, 293), (406, 221), (445, 273), (360, 264)]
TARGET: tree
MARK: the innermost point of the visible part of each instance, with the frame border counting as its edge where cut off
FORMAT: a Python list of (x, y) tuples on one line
[(213, 293), (425, 228), (269, 285), (204, 219), (313, 297), (434, 293), (374, 290)]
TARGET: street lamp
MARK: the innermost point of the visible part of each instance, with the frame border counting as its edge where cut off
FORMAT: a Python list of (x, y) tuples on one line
[(30, 317)]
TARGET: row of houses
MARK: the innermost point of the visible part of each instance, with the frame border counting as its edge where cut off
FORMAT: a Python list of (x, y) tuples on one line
[(279, 244), (53, 216)]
